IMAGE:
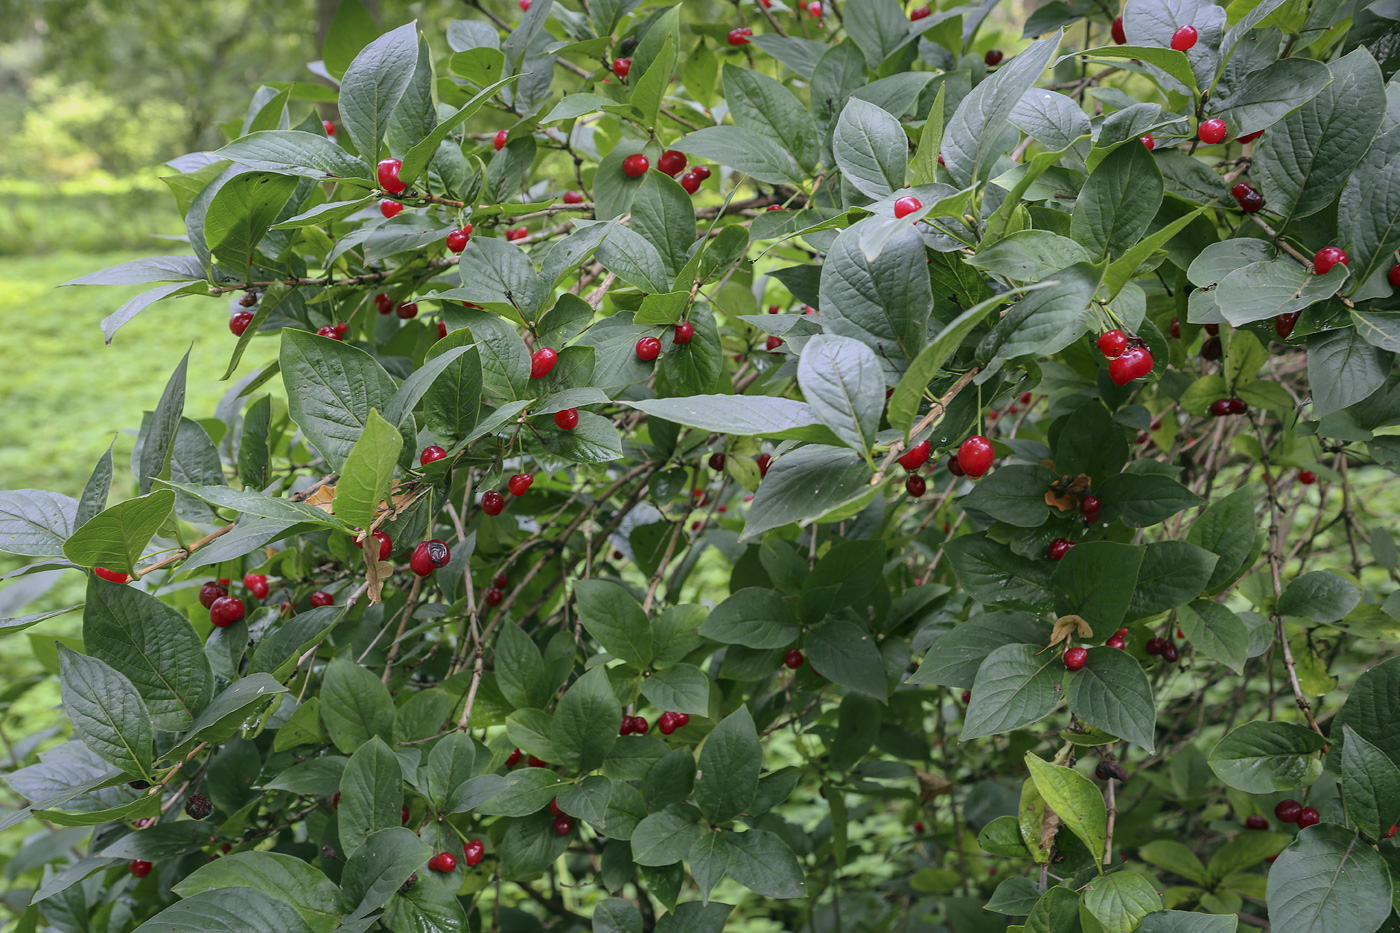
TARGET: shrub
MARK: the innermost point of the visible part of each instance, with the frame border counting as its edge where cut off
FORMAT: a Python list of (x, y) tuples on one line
[(1004, 568)]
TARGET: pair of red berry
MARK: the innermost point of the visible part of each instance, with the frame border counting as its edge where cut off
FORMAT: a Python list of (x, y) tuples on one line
[(1228, 406), (1249, 198), (633, 725), (1128, 358), (1164, 649), (670, 722), (428, 556), (492, 503), (1089, 507), (333, 331), (739, 36), (1059, 548), (1291, 811), (514, 759), (1118, 639)]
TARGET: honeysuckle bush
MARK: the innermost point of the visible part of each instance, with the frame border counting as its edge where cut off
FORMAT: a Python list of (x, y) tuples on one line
[(628, 536)]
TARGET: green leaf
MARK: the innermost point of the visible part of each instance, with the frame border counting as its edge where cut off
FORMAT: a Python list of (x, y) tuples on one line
[(1144, 499), (805, 484), (1075, 798), (158, 435), (955, 657), (274, 874), (740, 416), (331, 387), (1045, 321), (745, 151), (1319, 595), (992, 573), (1014, 494), (1216, 632), (871, 149), (682, 689), (449, 767), (842, 381), (251, 503), (1175, 857), (1329, 881), (254, 459), (1172, 574), (520, 671), (295, 152), (1226, 528), (1121, 270), (241, 213), (1261, 291), (1016, 685), (116, 538), (154, 646), (421, 155), (1112, 693), (612, 616), (1368, 215), (730, 761), (666, 837), (379, 867), (1244, 851), (760, 103), (1170, 61), (846, 654), (371, 794), (764, 864), (976, 132), (226, 713), (355, 705), (452, 403), (1121, 899), (373, 85), (753, 617), (1263, 757), (421, 381), (1370, 785), (524, 792), (228, 910), (586, 721), (1181, 921), (663, 215), (35, 523), (883, 301), (1372, 708), (1343, 368), (368, 473), (1056, 911), (1097, 581), (1118, 202), (613, 914), (107, 712)]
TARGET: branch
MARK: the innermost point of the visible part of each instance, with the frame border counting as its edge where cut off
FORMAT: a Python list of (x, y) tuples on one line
[(934, 413)]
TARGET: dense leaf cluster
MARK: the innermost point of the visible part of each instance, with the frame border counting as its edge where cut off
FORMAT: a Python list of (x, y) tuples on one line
[(605, 527)]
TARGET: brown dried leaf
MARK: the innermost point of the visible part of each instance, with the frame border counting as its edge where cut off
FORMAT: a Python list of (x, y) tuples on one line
[(932, 785), (323, 498), (1065, 493), (376, 572), (1070, 626), (1049, 826)]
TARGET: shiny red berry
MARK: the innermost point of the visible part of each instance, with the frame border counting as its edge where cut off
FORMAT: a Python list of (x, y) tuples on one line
[(1116, 641), (1119, 36), (514, 758), (1089, 507), (1307, 477), (542, 362), (494, 596), (1394, 275), (690, 181), (389, 208), (111, 576), (1135, 363), (773, 343), (499, 140), (993, 58), (1256, 822), (701, 171), (256, 583), (386, 544), (407, 309), (1308, 816), (1076, 657), (444, 862), (622, 67), (473, 852), (1175, 328), (1148, 142), (683, 333), (793, 659), (139, 867), (975, 456), (210, 592), (1327, 257), (563, 825), (1212, 131), (1287, 810), (915, 456), (493, 502), (1171, 654), (635, 165), (572, 197), (919, 13), (239, 322), (640, 725), (1059, 548), (225, 611), (1184, 38), (1251, 202), (764, 461), (1220, 407), (739, 36), (389, 176), (906, 206), (321, 598), (431, 453), (671, 162), (566, 419), (519, 484), (914, 485), (648, 349), (428, 556), (329, 127), (1112, 343), (457, 239)]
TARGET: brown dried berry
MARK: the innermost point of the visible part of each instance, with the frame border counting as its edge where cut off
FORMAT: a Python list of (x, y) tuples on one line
[(198, 807)]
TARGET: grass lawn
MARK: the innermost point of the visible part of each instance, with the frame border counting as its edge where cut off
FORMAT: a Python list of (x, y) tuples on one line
[(65, 395)]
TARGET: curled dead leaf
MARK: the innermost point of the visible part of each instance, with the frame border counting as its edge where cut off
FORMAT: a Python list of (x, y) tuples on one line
[(323, 498), (1065, 493), (932, 785), (1067, 626)]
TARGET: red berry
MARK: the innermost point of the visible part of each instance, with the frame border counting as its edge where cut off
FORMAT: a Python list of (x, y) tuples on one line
[(1284, 324), (1184, 38), (457, 239), (513, 759), (542, 361), (524, 5), (1089, 507), (1076, 657), (111, 576), (493, 502), (329, 127), (1135, 363), (690, 181), (666, 723), (444, 862), (793, 659), (1119, 37), (563, 825), (916, 456), (914, 485), (210, 592), (534, 762), (954, 466), (1220, 407), (516, 233), (740, 36), (648, 349), (814, 9), (1307, 477), (567, 419), (1308, 816), (764, 461), (499, 141), (1112, 343), (572, 197), (1175, 328), (906, 206), (431, 453), (429, 556), (322, 598), (1026, 398), (1116, 641), (225, 611), (1256, 822), (716, 461), (554, 807), (640, 725), (975, 456), (1327, 257), (922, 12), (139, 867), (1240, 188), (1391, 831), (701, 171), (671, 162), (1059, 548), (473, 852), (1156, 645), (773, 343), (1212, 131), (494, 596), (1287, 810), (683, 333), (1212, 349), (330, 331), (1148, 141), (389, 176), (239, 322), (519, 484), (682, 719), (407, 310), (1394, 275), (1170, 653), (1238, 406), (256, 584), (622, 67), (967, 696), (1251, 202), (993, 58), (635, 165), (386, 544)]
